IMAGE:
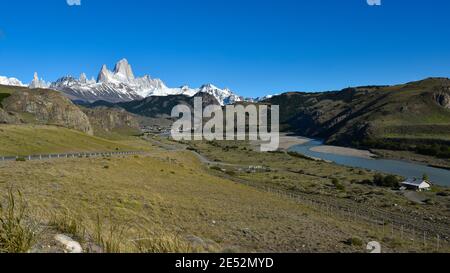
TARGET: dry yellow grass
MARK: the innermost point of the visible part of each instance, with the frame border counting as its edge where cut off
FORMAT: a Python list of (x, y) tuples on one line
[(40, 139), (171, 195)]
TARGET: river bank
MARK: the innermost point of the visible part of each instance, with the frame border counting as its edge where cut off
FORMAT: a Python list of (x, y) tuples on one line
[(360, 159), (414, 158)]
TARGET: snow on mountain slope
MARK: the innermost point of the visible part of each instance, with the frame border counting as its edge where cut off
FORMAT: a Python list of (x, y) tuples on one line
[(121, 85), (38, 83), (224, 96), (11, 81)]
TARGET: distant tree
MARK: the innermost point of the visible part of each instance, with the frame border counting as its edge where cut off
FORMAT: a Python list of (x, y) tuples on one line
[(378, 179), (386, 181), (391, 181), (425, 177)]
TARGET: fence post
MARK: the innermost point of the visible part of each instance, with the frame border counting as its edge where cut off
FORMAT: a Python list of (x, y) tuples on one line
[(437, 242), (392, 228), (424, 239)]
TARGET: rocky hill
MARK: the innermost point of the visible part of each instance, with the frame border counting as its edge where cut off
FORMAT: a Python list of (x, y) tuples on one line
[(42, 106), (413, 116), (112, 120), (161, 107)]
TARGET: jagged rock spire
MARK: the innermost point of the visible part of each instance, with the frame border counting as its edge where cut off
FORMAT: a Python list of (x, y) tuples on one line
[(83, 78), (38, 83), (123, 70)]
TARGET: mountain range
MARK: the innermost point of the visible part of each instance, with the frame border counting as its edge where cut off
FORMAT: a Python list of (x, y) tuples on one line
[(413, 116), (121, 85)]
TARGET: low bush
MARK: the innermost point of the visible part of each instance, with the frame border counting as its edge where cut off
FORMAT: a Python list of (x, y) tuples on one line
[(337, 184), (355, 241), (390, 181)]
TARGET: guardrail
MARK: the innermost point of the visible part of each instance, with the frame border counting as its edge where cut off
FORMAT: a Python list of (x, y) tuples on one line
[(66, 155)]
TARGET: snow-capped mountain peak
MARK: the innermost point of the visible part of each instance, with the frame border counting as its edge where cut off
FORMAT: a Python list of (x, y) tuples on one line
[(38, 83), (104, 75), (123, 71), (83, 78), (11, 81), (224, 96), (121, 85)]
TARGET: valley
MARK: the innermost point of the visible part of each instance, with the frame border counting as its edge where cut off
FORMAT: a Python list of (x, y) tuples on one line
[(168, 200), (212, 196)]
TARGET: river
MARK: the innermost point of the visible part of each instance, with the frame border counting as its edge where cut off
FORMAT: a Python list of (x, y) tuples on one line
[(397, 167)]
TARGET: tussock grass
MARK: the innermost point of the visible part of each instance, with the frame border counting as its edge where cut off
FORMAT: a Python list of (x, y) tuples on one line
[(165, 243), (69, 224), (113, 240), (16, 234)]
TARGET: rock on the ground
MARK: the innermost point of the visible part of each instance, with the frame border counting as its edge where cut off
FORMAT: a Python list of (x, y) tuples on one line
[(70, 245)]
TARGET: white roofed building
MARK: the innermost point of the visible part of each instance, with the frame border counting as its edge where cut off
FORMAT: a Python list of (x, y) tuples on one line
[(417, 184)]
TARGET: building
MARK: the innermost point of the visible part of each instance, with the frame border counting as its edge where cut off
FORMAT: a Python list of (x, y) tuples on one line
[(417, 184)]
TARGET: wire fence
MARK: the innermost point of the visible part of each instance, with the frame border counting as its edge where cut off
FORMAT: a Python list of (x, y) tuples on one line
[(393, 225), (432, 237)]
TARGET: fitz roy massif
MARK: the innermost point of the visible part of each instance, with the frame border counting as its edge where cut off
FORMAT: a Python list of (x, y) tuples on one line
[(120, 85)]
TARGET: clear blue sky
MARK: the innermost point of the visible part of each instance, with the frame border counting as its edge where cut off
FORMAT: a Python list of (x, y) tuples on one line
[(254, 47)]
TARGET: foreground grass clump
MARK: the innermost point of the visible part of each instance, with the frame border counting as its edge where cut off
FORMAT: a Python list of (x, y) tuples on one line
[(165, 244), (109, 236), (68, 224), (16, 235)]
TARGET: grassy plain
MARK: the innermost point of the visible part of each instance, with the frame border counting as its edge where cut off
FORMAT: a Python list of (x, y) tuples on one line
[(168, 200), (24, 140)]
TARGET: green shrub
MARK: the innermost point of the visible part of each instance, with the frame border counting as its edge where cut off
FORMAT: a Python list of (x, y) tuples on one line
[(230, 172), (2, 97), (337, 184), (386, 181), (298, 155), (355, 241), (215, 168)]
